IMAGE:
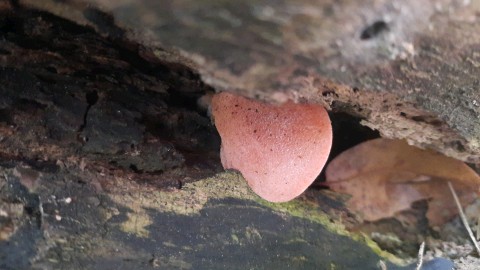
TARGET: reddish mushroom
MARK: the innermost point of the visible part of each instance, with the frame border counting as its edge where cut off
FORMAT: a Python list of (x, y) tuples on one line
[(279, 150)]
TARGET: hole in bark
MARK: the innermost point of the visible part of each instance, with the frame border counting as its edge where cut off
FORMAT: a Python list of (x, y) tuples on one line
[(374, 30), (347, 132), (29, 210), (92, 97), (328, 93), (180, 184), (134, 168), (427, 119), (459, 146)]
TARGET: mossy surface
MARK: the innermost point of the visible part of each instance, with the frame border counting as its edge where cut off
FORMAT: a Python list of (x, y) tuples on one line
[(225, 202)]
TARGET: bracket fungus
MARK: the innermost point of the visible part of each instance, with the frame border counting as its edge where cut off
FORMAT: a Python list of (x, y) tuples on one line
[(279, 149)]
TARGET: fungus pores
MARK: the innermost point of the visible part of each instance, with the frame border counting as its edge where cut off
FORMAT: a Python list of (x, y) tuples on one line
[(279, 149)]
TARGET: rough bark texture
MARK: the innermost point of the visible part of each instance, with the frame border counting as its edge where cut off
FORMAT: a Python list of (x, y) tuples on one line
[(407, 68), (101, 137), (100, 143)]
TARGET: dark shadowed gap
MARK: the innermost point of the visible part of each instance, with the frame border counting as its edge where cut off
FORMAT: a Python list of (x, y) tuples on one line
[(347, 132)]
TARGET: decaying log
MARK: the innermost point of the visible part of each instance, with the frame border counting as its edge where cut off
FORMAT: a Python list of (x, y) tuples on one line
[(102, 140), (409, 69), (100, 144)]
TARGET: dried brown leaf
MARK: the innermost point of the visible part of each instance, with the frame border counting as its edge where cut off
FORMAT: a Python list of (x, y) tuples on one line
[(386, 176)]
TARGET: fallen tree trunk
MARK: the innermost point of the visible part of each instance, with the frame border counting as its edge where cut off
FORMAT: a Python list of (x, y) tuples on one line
[(101, 144), (408, 69)]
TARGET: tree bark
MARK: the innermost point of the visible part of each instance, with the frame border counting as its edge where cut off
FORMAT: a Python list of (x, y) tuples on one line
[(101, 142), (408, 69)]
